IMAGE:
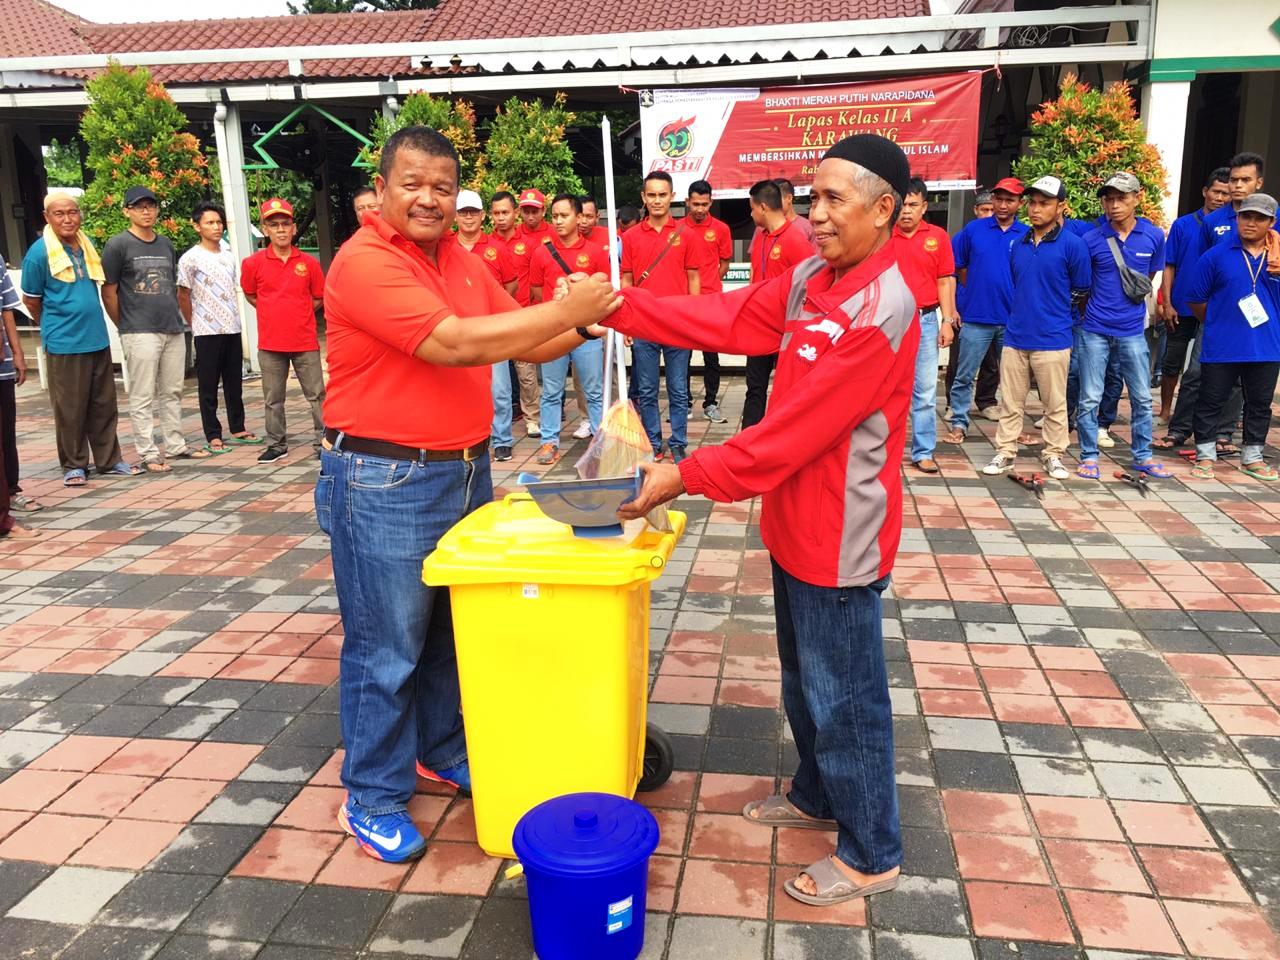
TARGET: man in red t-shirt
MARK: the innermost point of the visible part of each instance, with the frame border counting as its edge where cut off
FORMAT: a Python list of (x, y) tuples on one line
[(929, 267), (414, 323), (658, 257), (285, 286), (778, 245), (566, 252), (471, 236), (719, 242), (509, 230)]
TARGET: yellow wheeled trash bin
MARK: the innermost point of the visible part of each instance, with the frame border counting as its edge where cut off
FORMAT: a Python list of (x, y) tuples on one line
[(552, 634)]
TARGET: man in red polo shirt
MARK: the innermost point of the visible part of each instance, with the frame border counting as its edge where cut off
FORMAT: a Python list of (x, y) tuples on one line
[(286, 286), (567, 252), (719, 242), (658, 257), (929, 267), (508, 230), (777, 246), (471, 236), (414, 323)]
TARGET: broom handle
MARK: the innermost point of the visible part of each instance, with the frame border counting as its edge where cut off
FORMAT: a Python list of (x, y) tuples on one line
[(613, 350)]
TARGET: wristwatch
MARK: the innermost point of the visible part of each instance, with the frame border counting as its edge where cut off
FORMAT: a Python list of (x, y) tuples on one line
[(586, 334)]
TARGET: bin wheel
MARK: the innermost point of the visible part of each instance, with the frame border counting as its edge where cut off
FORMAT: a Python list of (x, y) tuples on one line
[(659, 759)]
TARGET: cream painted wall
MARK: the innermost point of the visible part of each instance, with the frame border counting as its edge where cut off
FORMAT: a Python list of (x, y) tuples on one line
[(1238, 28)]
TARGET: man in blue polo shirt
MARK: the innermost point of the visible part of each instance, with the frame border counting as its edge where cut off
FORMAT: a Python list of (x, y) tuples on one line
[(1049, 269), (1238, 302), (1113, 386), (986, 292), (1114, 321), (1187, 241), (1246, 180)]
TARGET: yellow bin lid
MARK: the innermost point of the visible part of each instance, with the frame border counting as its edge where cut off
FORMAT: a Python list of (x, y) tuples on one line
[(512, 541)]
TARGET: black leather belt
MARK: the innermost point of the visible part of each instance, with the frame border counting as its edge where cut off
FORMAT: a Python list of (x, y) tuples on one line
[(927, 309), (394, 451)]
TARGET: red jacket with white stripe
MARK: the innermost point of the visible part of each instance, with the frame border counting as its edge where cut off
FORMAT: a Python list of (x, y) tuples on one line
[(826, 457)]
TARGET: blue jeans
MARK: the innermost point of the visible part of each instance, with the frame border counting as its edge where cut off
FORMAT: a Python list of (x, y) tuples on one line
[(1134, 360), (975, 340), (835, 689), (1109, 406), (924, 393), (588, 361), (500, 431), (644, 359), (398, 688)]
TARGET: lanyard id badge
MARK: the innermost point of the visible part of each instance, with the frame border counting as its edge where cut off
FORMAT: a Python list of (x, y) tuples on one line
[(1254, 312)]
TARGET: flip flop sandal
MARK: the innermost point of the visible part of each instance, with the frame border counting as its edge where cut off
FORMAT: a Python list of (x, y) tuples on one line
[(1260, 471), (777, 811), (1157, 471), (247, 439), (1088, 470), (1168, 442), (157, 468), (122, 469), (1030, 440), (1202, 471), (192, 455), (74, 478), (216, 451), (955, 436), (833, 886), (1227, 449)]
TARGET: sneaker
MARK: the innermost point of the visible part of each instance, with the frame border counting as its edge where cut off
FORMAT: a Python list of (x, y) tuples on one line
[(1106, 440), (548, 453), (501, 454), (1053, 466), (712, 412), (272, 454), (990, 413), (389, 836), (532, 429), (660, 454), (677, 453), (459, 776), (998, 465), (583, 431)]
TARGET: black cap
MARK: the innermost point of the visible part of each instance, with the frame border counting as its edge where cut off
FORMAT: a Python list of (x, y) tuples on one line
[(138, 194), (882, 157)]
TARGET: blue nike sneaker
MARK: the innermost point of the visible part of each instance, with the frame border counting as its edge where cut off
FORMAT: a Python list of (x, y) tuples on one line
[(459, 776), (389, 836)]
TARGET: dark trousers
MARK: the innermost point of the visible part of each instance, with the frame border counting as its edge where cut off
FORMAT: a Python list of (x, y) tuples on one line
[(835, 688), (1257, 382), (1176, 346), (710, 379), (9, 431), (984, 394), (218, 359), (759, 370), (82, 390), (6, 518), (275, 379), (1184, 421)]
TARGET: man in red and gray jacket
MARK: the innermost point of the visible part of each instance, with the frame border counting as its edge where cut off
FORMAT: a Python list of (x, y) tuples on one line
[(826, 459)]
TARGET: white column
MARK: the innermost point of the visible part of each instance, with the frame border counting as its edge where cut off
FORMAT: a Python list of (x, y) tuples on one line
[(1164, 114), (235, 196)]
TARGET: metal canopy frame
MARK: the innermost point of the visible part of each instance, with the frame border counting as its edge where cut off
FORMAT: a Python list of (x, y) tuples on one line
[(269, 163)]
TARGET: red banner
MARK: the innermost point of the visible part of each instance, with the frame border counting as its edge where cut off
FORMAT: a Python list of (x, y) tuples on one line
[(736, 137)]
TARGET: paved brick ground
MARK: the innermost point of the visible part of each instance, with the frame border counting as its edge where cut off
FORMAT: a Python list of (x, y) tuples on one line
[(1086, 693)]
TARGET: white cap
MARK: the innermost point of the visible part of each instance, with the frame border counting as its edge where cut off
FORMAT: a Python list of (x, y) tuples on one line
[(468, 200), (1050, 186)]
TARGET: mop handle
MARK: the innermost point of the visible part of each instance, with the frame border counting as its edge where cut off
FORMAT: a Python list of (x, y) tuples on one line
[(613, 349)]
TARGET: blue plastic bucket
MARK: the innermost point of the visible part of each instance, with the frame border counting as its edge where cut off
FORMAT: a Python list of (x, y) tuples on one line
[(586, 860)]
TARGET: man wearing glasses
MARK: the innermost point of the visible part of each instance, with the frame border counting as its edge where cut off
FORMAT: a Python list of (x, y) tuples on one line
[(286, 286)]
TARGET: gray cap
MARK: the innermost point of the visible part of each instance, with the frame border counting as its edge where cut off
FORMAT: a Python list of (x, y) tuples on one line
[(984, 196), (1123, 181), (1262, 203)]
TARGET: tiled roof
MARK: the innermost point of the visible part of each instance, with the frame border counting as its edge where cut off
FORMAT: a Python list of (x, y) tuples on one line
[(37, 28), (488, 19)]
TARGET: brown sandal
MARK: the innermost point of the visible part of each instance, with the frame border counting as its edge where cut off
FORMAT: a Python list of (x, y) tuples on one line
[(778, 811), (956, 436)]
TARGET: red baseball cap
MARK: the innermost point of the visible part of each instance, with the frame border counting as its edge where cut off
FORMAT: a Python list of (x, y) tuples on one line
[(532, 198), (1010, 185), (275, 207)]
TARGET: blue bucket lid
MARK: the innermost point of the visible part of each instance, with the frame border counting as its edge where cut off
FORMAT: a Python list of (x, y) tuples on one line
[(585, 835)]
